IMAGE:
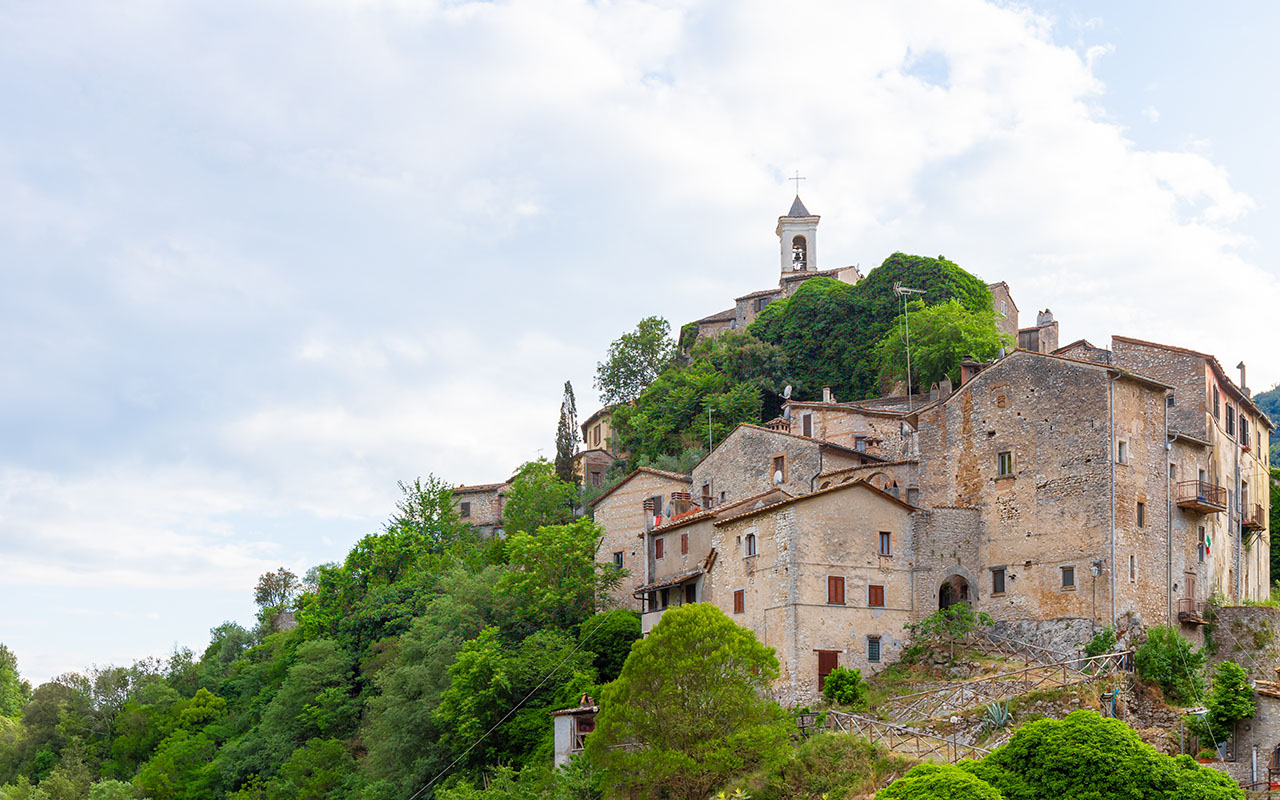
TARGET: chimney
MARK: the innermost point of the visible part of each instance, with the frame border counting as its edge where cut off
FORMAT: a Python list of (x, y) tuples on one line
[(968, 369), (1044, 318), (944, 388), (1243, 386), (827, 396)]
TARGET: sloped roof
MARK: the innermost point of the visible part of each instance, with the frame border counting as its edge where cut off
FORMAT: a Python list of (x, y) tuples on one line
[(661, 473), (798, 209)]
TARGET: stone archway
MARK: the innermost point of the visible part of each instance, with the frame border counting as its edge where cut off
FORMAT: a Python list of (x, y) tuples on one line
[(955, 589)]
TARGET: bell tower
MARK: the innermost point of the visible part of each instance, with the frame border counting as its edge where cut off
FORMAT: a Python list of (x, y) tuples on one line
[(798, 240)]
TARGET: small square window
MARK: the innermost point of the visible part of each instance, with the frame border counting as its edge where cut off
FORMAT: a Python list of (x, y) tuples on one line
[(1142, 514), (739, 601), (875, 596), (466, 510), (595, 478), (1068, 577), (997, 580), (873, 648), (617, 559), (1004, 463), (886, 543)]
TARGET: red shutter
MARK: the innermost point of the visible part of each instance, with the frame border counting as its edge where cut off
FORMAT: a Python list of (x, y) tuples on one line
[(739, 601), (875, 596), (827, 661), (684, 544), (835, 590), (657, 548)]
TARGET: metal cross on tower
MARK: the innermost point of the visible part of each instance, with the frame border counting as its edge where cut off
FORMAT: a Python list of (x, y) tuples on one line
[(797, 179)]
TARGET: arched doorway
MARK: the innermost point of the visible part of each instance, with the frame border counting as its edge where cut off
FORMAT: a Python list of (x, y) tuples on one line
[(955, 589)]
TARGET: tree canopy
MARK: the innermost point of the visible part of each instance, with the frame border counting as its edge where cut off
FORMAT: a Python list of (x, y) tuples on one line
[(635, 359), (941, 336), (691, 705)]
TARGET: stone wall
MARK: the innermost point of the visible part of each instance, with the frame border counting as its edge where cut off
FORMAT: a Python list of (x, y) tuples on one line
[(884, 434), (483, 505), (621, 513), (1249, 636), (742, 465)]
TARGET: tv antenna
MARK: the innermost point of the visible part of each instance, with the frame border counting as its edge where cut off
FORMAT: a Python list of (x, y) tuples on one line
[(904, 292)]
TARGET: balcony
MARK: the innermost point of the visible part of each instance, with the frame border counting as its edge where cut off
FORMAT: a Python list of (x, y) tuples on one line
[(1202, 496), (1192, 612), (1254, 518)]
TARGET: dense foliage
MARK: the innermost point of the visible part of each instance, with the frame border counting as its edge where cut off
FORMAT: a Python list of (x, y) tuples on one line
[(691, 707), (567, 435), (941, 337), (1083, 757), (1230, 701), (846, 687), (828, 329), (949, 625), (1168, 660), (635, 359), (425, 659)]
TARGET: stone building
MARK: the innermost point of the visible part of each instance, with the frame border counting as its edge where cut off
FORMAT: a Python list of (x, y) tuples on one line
[(481, 505), (626, 512), (599, 449), (1042, 337), (1006, 310)]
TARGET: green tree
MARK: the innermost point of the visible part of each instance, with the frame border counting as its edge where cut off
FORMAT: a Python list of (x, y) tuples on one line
[(14, 692), (318, 770), (610, 635), (537, 498), (1229, 701), (949, 625), (554, 573), (112, 790), (692, 705), (567, 436), (635, 360), (1085, 756), (941, 336), (276, 590), (939, 782), (846, 687), (1169, 660)]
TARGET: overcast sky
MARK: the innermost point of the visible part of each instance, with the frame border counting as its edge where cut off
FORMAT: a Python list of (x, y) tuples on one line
[(262, 259)]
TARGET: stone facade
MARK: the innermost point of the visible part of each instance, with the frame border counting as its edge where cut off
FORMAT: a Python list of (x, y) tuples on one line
[(481, 505), (746, 463), (782, 559), (880, 432), (1006, 310), (621, 512), (1042, 337)]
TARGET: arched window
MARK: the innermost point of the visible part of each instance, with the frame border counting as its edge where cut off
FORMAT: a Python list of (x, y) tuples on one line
[(799, 253), (750, 544)]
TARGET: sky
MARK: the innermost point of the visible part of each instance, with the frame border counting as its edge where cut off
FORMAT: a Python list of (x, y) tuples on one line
[(262, 260)]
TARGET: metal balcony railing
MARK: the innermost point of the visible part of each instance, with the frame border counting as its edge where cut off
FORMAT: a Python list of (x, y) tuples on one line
[(1253, 519), (1202, 496), (1190, 610)]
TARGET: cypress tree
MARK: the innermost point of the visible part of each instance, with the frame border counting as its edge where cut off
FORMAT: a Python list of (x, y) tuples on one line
[(567, 436)]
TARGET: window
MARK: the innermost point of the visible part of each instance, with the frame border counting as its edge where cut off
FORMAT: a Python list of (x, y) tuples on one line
[(1004, 308), (835, 590), (1068, 577), (750, 548), (1217, 404), (1202, 547), (617, 559), (657, 547), (739, 601), (684, 544), (886, 543), (691, 592), (1168, 399), (1244, 430), (1004, 463), (997, 580), (779, 472), (860, 444), (913, 495), (1231, 421), (873, 648), (807, 424), (706, 495), (1173, 472), (722, 497), (1133, 569), (466, 510), (875, 596), (827, 661), (595, 435), (595, 478), (1122, 452), (1142, 514)]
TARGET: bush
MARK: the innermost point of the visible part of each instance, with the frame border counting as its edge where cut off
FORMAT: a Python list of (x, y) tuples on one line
[(1104, 641), (1168, 660), (846, 687), (1230, 700), (939, 782)]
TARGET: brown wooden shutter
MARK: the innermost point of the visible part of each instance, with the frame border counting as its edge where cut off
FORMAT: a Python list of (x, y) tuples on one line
[(835, 589), (875, 596), (684, 544), (827, 661), (657, 548), (739, 601)]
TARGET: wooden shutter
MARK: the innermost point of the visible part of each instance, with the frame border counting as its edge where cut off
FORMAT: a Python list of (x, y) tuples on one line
[(739, 601), (835, 589), (684, 544), (827, 661), (875, 596), (657, 548)]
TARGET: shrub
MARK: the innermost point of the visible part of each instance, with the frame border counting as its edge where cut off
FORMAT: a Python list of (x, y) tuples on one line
[(1168, 660), (939, 782), (846, 687), (949, 625), (1104, 641), (1230, 700)]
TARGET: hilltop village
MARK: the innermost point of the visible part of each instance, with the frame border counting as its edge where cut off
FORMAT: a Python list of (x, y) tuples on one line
[(1057, 487)]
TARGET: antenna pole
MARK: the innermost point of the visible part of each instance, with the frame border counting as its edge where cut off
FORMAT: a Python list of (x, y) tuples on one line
[(903, 291)]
